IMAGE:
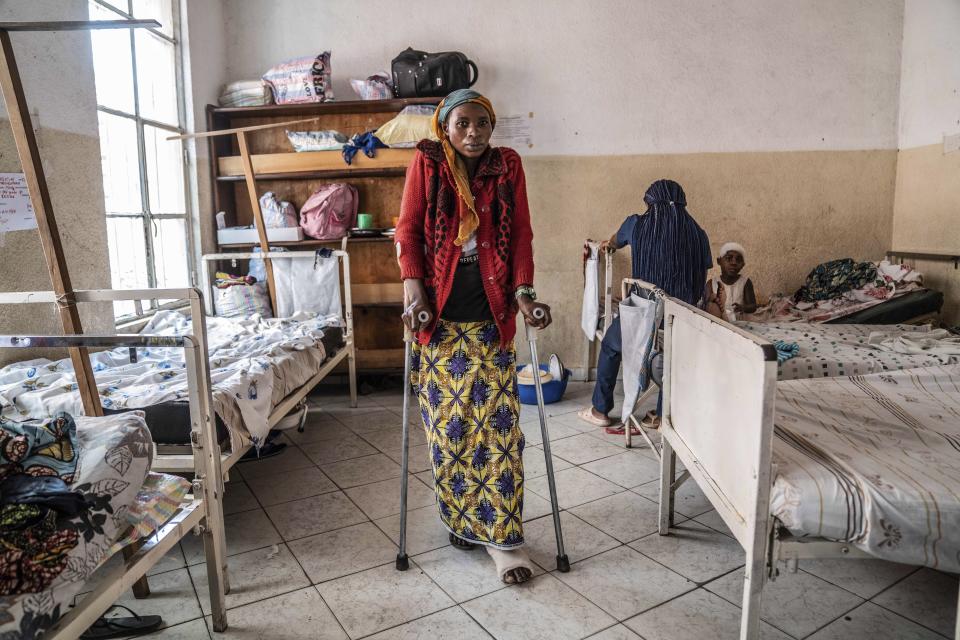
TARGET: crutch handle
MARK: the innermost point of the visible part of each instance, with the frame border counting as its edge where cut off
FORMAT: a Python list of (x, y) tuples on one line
[(423, 316), (538, 313)]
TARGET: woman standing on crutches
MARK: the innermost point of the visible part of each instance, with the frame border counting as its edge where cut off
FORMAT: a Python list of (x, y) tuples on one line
[(464, 245)]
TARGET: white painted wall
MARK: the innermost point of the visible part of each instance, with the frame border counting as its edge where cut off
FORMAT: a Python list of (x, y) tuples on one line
[(622, 76), (930, 72)]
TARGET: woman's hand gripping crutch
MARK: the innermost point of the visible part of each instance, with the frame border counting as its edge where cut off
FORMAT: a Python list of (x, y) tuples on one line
[(541, 318), (412, 318)]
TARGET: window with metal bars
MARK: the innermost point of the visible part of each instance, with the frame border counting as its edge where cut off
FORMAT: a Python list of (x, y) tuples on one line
[(139, 81)]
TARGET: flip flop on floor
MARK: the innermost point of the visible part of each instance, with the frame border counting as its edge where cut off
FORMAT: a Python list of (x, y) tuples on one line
[(507, 561), (587, 416), (618, 430), (121, 627)]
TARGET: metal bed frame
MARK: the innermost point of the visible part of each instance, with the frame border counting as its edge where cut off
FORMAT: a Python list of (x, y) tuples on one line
[(631, 420), (203, 512), (733, 467), (175, 460)]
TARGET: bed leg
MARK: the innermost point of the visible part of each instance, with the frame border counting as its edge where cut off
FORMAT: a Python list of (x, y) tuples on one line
[(668, 472), (214, 546), (956, 632), (352, 366), (141, 588), (753, 577)]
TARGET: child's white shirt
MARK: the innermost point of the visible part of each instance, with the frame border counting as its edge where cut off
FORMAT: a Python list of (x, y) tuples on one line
[(733, 295)]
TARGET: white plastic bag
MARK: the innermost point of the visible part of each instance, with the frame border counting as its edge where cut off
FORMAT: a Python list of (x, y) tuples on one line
[(278, 214), (307, 285)]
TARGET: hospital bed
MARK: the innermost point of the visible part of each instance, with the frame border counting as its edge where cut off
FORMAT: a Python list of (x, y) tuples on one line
[(855, 467), (116, 451)]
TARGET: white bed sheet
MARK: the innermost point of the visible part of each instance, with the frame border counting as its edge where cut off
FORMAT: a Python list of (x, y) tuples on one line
[(833, 350), (253, 365), (873, 461)]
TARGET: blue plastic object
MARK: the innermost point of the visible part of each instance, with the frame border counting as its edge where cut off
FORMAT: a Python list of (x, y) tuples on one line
[(552, 391)]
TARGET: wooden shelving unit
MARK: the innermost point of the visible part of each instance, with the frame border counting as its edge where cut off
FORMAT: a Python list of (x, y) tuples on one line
[(377, 289)]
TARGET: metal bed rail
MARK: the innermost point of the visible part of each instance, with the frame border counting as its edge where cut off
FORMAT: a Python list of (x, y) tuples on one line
[(206, 511)]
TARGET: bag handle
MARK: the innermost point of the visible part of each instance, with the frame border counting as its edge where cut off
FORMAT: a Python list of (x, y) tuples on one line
[(476, 74)]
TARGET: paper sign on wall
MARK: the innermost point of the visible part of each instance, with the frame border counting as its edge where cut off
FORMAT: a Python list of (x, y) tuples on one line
[(513, 131), (16, 211)]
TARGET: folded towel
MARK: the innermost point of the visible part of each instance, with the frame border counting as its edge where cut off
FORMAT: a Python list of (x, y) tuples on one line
[(786, 350)]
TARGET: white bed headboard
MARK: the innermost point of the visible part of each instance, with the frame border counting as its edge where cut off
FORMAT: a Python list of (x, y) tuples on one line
[(719, 388)]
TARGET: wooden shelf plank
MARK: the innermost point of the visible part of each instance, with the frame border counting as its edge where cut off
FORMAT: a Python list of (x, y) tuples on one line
[(306, 243), (326, 174), (379, 293), (293, 162), (319, 108), (380, 358)]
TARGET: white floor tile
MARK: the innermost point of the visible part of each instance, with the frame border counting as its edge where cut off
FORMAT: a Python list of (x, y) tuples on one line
[(254, 575), (574, 486), (436, 625), (628, 469), (580, 540), (625, 516), (382, 499), (237, 497), (535, 463), (864, 577), (462, 574), (193, 630), (694, 551), (290, 485), (244, 531), (542, 609), (300, 615), (581, 449), (338, 553), (334, 450), (171, 597), (689, 500), (623, 582), (697, 615), (381, 598), (310, 516), (532, 434), (870, 622), (287, 460), (353, 473), (927, 597), (418, 457), (425, 532), (798, 604), (618, 632)]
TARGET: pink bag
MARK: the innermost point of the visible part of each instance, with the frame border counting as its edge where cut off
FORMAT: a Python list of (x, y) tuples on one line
[(330, 212)]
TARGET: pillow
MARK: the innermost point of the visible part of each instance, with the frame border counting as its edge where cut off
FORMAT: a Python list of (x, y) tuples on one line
[(406, 129)]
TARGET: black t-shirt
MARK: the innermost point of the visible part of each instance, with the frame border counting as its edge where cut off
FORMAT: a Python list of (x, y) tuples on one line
[(467, 301)]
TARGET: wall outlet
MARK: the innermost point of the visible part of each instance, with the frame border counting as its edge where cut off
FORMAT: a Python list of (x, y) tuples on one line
[(951, 143)]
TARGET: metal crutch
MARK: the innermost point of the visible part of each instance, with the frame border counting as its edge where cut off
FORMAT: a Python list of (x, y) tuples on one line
[(563, 563), (403, 562)]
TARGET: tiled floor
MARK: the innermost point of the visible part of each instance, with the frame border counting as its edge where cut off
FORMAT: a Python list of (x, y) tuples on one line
[(311, 535)]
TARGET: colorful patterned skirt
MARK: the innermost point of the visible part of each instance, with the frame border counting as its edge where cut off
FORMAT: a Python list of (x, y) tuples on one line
[(466, 382)]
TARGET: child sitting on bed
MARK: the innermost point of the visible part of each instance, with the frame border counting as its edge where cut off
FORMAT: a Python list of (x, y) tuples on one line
[(731, 295)]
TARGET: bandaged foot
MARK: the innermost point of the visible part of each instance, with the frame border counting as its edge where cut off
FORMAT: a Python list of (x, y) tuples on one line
[(513, 566)]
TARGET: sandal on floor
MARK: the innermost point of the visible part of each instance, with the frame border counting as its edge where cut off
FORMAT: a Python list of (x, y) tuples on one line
[(587, 416), (268, 450), (459, 543), (618, 430), (121, 627), (507, 561)]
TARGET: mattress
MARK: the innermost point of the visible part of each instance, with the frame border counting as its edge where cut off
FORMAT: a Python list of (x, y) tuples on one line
[(254, 364), (898, 309), (873, 461), (169, 422), (828, 351)]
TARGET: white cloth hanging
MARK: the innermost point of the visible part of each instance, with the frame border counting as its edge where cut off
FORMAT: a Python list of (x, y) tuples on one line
[(638, 324), (590, 313), (307, 285)]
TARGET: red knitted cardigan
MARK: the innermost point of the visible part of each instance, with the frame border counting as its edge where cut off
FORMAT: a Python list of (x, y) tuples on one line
[(429, 222)]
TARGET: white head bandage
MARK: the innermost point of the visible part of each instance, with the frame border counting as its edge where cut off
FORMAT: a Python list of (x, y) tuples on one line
[(733, 246)]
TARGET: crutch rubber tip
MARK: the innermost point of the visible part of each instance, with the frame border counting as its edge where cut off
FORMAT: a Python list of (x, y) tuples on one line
[(563, 563), (403, 563)]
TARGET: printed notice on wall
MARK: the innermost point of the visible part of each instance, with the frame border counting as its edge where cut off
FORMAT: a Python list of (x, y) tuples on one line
[(513, 131), (16, 212)]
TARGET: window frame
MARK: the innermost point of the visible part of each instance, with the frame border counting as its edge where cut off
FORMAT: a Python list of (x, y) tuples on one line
[(148, 217)]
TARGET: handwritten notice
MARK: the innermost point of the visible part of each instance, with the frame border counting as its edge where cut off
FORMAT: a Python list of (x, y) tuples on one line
[(513, 131), (16, 212)]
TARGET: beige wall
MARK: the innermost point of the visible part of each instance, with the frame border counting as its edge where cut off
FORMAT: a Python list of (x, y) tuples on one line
[(927, 203), (57, 73), (790, 210)]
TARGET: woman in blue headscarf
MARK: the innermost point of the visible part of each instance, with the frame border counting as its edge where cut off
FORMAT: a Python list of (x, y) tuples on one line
[(668, 249)]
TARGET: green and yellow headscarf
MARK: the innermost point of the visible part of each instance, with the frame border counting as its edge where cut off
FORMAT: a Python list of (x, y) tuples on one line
[(469, 220)]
